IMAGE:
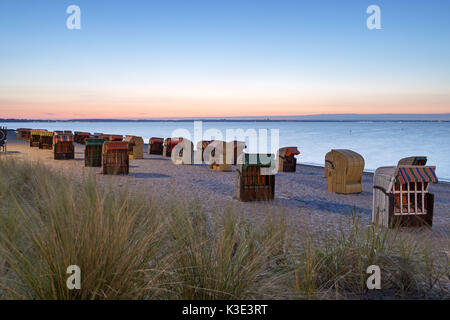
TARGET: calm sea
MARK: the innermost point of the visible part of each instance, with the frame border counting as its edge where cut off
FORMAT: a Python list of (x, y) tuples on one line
[(380, 143)]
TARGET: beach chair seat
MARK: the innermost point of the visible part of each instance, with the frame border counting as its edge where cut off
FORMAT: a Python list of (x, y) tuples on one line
[(251, 183), (115, 157), (401, 197), (93, 152)]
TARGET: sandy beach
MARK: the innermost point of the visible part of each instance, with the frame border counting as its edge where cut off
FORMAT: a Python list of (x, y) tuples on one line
[(302, 196)]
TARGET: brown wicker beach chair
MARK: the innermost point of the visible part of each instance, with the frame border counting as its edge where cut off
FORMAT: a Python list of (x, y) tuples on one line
[(287, 162), (115, 157), (251, 185), (183, 152), (3, 138), (345, 171), (35, 137), (155, 145), (46, 140), (401, 197), (63, 147), (93, 152), (218, 159), (169, 144), (135, 147)]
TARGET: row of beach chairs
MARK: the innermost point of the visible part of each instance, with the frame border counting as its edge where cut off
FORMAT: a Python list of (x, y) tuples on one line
[(400, 196)]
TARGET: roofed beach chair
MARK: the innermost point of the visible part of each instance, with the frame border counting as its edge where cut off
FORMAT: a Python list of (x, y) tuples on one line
[(3, 138), (287, 162), (401, 197), (46, 140), (183, 152), (201, 146), (218, 159), (251, 185), (115, 157), (63, 147), (93, 152), (344, 171), (135, 147), (155, 145), (35, 137), (169, 143)]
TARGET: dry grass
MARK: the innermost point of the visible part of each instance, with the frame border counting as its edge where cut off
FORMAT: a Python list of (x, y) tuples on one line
[(130, 246)]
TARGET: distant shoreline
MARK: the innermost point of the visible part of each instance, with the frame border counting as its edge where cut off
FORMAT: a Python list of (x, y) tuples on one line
[(209, 120)]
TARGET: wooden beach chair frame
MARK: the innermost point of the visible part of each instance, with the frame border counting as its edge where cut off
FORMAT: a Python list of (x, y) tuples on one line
[(401, 197), (344, 170), (63, 147), (155, 145), (93, 152), (115, 159), (250, 184), (287, 162)]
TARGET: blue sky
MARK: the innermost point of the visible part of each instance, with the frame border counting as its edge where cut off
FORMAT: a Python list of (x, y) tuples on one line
[(235, 57)]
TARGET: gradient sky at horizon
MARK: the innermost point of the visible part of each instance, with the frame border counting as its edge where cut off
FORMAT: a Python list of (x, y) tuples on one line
[(179, 58)]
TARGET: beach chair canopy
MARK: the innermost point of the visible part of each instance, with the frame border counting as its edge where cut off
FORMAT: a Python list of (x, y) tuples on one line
[(156, 140), (46, 134), (111, 137), (115, 145), (288, 151), (254, 159), (413, 161), (62, 138), (94, 142), (37, 132), (386, 177), (134, 140)]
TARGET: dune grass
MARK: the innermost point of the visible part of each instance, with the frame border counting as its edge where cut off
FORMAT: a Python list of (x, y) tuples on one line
[(132, 246)]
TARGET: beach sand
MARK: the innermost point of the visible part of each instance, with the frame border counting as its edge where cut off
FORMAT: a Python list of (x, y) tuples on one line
[(302, 196)]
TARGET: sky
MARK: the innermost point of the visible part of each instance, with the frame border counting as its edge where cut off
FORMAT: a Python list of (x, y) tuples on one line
[(191, 58)]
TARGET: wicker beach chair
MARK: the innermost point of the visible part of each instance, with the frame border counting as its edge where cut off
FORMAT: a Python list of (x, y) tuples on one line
[(287, 162), (63, 147), (218, 159), (169, 144), (115, 157), (401, 197), (183, 152), (345, 171), (135, 147), (201, 146), (251, 185), (155, 145), (35, 137), (46, 140), (93, 152), (3, 138)]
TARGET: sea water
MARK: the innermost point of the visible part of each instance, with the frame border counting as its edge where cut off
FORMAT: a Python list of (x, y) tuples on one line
[(380, 143)]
